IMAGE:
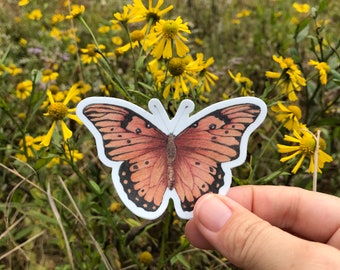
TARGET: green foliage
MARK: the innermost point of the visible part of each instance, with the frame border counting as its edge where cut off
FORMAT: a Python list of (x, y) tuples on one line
[(58, 207)]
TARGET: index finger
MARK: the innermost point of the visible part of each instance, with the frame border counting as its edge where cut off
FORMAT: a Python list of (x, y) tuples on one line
[(311, 215)]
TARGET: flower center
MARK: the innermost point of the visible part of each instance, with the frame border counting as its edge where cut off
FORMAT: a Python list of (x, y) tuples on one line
[(21, 88), (152, 16), (308, 144), (170, 29), (54, 89), (176, 66), (91, 51), (47, 72), (57, 111)]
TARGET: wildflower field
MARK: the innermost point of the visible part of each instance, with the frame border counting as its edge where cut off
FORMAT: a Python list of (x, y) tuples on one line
[(58, 206)]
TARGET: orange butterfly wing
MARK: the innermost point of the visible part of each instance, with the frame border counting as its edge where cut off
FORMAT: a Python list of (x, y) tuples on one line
[(202, 147), (130, 138)]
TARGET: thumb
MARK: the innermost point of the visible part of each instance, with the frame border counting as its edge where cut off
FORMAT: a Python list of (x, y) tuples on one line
[(252, 243)]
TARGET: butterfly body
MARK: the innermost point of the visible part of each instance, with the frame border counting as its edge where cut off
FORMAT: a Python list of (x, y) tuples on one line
[(154, 158), (171, 151)]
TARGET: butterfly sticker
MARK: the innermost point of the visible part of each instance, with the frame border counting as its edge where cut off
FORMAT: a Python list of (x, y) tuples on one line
[(155, 159)]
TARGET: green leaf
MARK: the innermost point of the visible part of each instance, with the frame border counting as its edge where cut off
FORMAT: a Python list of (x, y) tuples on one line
[(302, 34), (140, 63), (272, 176), (323, 5), (180, 258), (335, 73), (36, 76), (329, 121), (42, 162), (95, 187), (41, 217)]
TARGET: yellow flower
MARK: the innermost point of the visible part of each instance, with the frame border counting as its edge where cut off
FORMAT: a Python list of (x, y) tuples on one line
[(49, 75), (199, 41), (290, 79), (106, 89), (243, 82), (72, 154), (58, 17), (166, 37), (151, 13), (82, 87), (323, 68), (56, 33), (136, 36), (117, 40), (76, 10), (24, 89), (104, 29), (35, 15), (158, 73), (126, 16), (301, 8), (23, 3), (181, 73), (91, 53), (236, 21), (13, 69), (323, 23), (305, 145), (58, 111), (56, 93), (29, 145), (72, 49), (243, 13), (72, 34), (209, 78), (145, 257), (289, 115), (23, 42), (115, 207)]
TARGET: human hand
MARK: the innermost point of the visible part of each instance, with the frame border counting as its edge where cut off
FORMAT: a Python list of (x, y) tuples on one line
[(269, 227)]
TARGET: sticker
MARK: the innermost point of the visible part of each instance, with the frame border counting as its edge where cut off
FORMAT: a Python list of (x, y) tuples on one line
[(155, 159)]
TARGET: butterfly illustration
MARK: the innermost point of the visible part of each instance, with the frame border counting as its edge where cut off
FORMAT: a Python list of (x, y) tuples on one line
[(155, 159)]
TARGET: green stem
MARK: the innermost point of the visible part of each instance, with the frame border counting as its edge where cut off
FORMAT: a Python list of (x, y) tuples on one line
[(165, 235), (89, 30)]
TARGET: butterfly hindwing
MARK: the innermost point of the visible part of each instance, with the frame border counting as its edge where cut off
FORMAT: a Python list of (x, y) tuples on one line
[(128, 137), (202, 147)]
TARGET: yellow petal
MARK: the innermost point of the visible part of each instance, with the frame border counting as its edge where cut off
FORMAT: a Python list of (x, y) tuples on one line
[(167, 52), (283, 149), (298, 165), (67, 133), (48, 137), (181, 48), (75, 118)]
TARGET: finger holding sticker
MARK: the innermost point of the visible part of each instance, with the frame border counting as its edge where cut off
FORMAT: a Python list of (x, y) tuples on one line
[(155, 159)]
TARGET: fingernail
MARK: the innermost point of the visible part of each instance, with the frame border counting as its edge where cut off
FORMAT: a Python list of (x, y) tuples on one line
[(212, 212)]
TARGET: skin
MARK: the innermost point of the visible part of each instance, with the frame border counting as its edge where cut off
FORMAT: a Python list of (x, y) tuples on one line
[(269, 227)]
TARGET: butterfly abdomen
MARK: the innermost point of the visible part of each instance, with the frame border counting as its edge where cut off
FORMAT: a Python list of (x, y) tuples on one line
[(171, 152)]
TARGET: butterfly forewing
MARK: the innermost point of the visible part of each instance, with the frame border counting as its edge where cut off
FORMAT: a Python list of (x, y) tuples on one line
[(130, 138)]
